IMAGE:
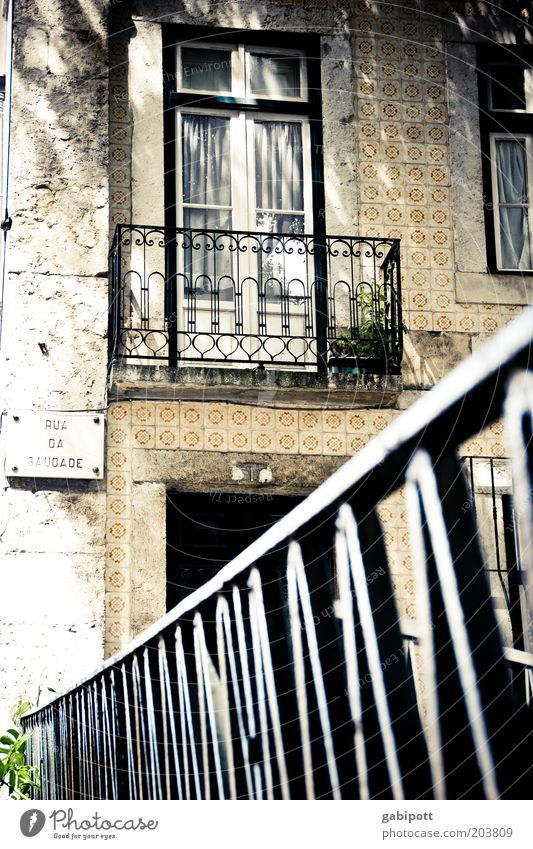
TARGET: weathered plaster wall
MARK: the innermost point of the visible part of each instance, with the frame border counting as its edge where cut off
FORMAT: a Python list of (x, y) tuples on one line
[(52, 549)]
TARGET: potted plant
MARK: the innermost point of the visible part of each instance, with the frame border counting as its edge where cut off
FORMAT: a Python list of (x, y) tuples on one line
[(363, 349)]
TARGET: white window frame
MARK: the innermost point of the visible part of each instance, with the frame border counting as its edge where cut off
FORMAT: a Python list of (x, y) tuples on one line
[(240, 70), (527, 141), (200, 45), (528, 86)]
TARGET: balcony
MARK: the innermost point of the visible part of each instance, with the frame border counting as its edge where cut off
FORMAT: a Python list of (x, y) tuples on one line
[(244, 299), (302, 681)]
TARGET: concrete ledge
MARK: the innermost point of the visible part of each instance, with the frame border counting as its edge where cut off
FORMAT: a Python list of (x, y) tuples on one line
[(276, 388), (487, 288)]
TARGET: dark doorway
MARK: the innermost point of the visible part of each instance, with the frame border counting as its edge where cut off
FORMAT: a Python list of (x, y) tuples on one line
[(206, 531)]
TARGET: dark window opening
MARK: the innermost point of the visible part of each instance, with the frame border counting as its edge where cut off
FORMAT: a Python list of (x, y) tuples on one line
[(206, 531)]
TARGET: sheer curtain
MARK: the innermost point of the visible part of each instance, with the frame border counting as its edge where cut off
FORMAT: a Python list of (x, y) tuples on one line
[(513, 204), (280, 205), (206, 201), (279, 166)]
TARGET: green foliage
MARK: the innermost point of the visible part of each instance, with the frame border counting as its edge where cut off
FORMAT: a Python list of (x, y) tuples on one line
[(367, 340), (15, 773)]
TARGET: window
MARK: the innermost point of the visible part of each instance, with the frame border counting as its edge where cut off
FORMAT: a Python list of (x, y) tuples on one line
[(242, 168), (512, 160), (246, 160), (506, 99)]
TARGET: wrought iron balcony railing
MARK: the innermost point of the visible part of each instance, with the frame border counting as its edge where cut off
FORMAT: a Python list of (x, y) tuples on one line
[(211, 296), (296, 682)]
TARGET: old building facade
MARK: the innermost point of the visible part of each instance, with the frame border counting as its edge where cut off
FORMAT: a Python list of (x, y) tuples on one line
[(360, 123)]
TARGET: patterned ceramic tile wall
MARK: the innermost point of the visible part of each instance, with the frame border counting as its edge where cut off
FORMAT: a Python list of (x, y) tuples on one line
[(404, 171)]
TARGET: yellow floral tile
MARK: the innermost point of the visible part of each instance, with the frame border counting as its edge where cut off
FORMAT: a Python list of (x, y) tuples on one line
[(191, 414), (118, 483), (263, 419), (118, 507), (467, 323), (490, 323), (143, 437), (143, 412), (355, 443), (309, 420), (167, 437), (191, 439), (216, 439), (116, 579), (420, 321), (445, 322), (334, 444), (117, 458), (120, 436), (167, 414), (333, 421), (239, 439), (216, 415), (263, 441), (239, 417), (377, 423), (119, 413), (286, 419), (310, 442), (116, 629), (117, 556), (117, 530), (356, 422), (287, 442), (118, 604)]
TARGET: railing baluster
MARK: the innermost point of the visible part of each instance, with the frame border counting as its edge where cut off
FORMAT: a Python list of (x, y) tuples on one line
[(168, 710), (130, 753), (152, 729), (266, 689), (298, 592), (188, 738), (204, 676), (351, 558)]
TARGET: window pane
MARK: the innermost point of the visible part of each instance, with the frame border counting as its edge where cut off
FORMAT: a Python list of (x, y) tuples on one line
[(284, 261), (514, 236), (207, 257), (511, 168), (507, 87), (206, 160), (512, 171), (206, 70), (275, 222), (275, 76), (278, 165)]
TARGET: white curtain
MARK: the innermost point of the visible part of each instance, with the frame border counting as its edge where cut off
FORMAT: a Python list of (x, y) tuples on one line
[(279, 165), (513, 205), (207, 184), (206, 164)]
